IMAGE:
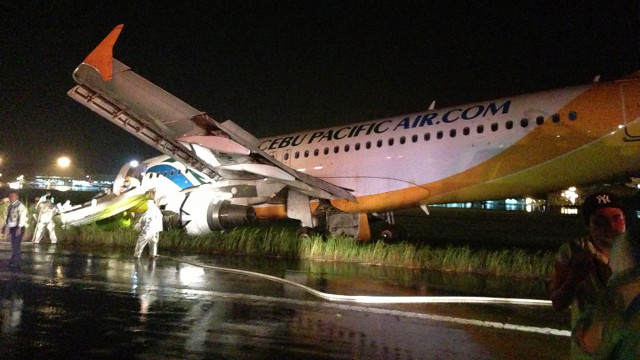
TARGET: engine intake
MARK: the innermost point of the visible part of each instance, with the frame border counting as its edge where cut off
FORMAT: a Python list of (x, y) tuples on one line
[(203, 210), (224, 215)]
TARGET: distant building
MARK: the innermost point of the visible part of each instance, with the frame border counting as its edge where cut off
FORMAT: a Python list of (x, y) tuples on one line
[(66, 183)]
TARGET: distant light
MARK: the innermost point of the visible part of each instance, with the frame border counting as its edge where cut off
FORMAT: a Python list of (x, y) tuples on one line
[(570, 194), (620, 126), (314, 168), (568, 211), (133, 163), (64, 162)]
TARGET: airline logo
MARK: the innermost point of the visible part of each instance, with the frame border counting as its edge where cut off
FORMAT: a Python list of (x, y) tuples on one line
[(383, 126)]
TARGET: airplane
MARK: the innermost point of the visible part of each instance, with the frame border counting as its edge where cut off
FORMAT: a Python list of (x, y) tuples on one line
[(215, 175)]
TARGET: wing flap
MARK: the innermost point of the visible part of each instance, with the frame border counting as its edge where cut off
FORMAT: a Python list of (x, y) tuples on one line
[(262, 170), (217, 143)]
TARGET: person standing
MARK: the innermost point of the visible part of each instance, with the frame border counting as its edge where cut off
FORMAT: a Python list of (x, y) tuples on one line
[(16, 222), (582, 267), (45, 210), (611, 329), (150, 226)]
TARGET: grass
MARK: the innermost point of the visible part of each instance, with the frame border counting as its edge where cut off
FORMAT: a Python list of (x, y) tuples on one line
[(283, 242)]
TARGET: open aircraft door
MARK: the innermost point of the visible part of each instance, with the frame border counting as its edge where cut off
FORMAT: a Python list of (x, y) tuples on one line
[(630, 92)]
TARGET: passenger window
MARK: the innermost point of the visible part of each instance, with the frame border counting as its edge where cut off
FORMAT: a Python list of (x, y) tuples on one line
[(540, 120), (427, 136), (368, 145), (403, 140), (306, 153), (414, 138), (555, 118), (336, 149), (346, 148), (452, 133), (172, 172), (326, 151), (524, 122), (480, 129), (357, 146), (509, 125), (379, 143), (494, 127), (439, 134), (573, 115), (316, 152), (286, 156), (466, 131), (296, 155), (391, 142)]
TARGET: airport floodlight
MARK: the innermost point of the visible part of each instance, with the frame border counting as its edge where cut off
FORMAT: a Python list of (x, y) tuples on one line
[(63, 162)]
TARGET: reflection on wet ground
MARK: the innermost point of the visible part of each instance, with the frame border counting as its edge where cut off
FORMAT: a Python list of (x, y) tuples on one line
[(103, 304)]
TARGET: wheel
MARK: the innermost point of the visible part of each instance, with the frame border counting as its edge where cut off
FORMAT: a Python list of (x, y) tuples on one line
[(392, 234)]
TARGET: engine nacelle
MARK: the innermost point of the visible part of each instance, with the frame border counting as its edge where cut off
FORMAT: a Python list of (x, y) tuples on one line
[(204, 210)]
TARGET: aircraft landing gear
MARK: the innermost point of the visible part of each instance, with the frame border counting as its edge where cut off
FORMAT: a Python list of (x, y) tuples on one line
[(392, 234)]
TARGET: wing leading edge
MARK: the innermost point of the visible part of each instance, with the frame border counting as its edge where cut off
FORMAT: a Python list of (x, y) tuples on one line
[(173, 127)]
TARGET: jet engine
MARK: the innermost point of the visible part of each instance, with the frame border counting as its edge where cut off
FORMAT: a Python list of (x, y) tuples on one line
[(205, 210)]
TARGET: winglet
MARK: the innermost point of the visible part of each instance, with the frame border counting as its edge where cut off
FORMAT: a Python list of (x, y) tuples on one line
[(101, 58)]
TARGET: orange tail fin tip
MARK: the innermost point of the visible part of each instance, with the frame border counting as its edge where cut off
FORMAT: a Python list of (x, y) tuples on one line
[(101, 58)]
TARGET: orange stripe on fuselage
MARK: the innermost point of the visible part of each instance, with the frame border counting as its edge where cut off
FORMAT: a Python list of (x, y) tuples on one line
[(532, 162)]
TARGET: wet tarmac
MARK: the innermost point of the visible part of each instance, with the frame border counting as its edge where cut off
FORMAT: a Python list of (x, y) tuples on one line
[(99, 304)]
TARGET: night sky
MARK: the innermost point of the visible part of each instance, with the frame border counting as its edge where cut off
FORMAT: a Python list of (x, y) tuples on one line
[(276, 67)]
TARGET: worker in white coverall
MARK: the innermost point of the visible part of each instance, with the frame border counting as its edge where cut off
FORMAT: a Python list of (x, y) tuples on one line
[(46, 210), (150, 226)]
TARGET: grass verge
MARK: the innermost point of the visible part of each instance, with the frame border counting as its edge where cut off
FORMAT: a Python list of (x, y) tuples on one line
[(283, 242)]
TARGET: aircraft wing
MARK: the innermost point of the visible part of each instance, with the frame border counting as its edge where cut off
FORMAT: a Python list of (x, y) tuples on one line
[(222, 150)]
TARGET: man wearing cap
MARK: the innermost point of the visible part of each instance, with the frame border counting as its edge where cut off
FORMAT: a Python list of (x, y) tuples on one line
[(582, 265)]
